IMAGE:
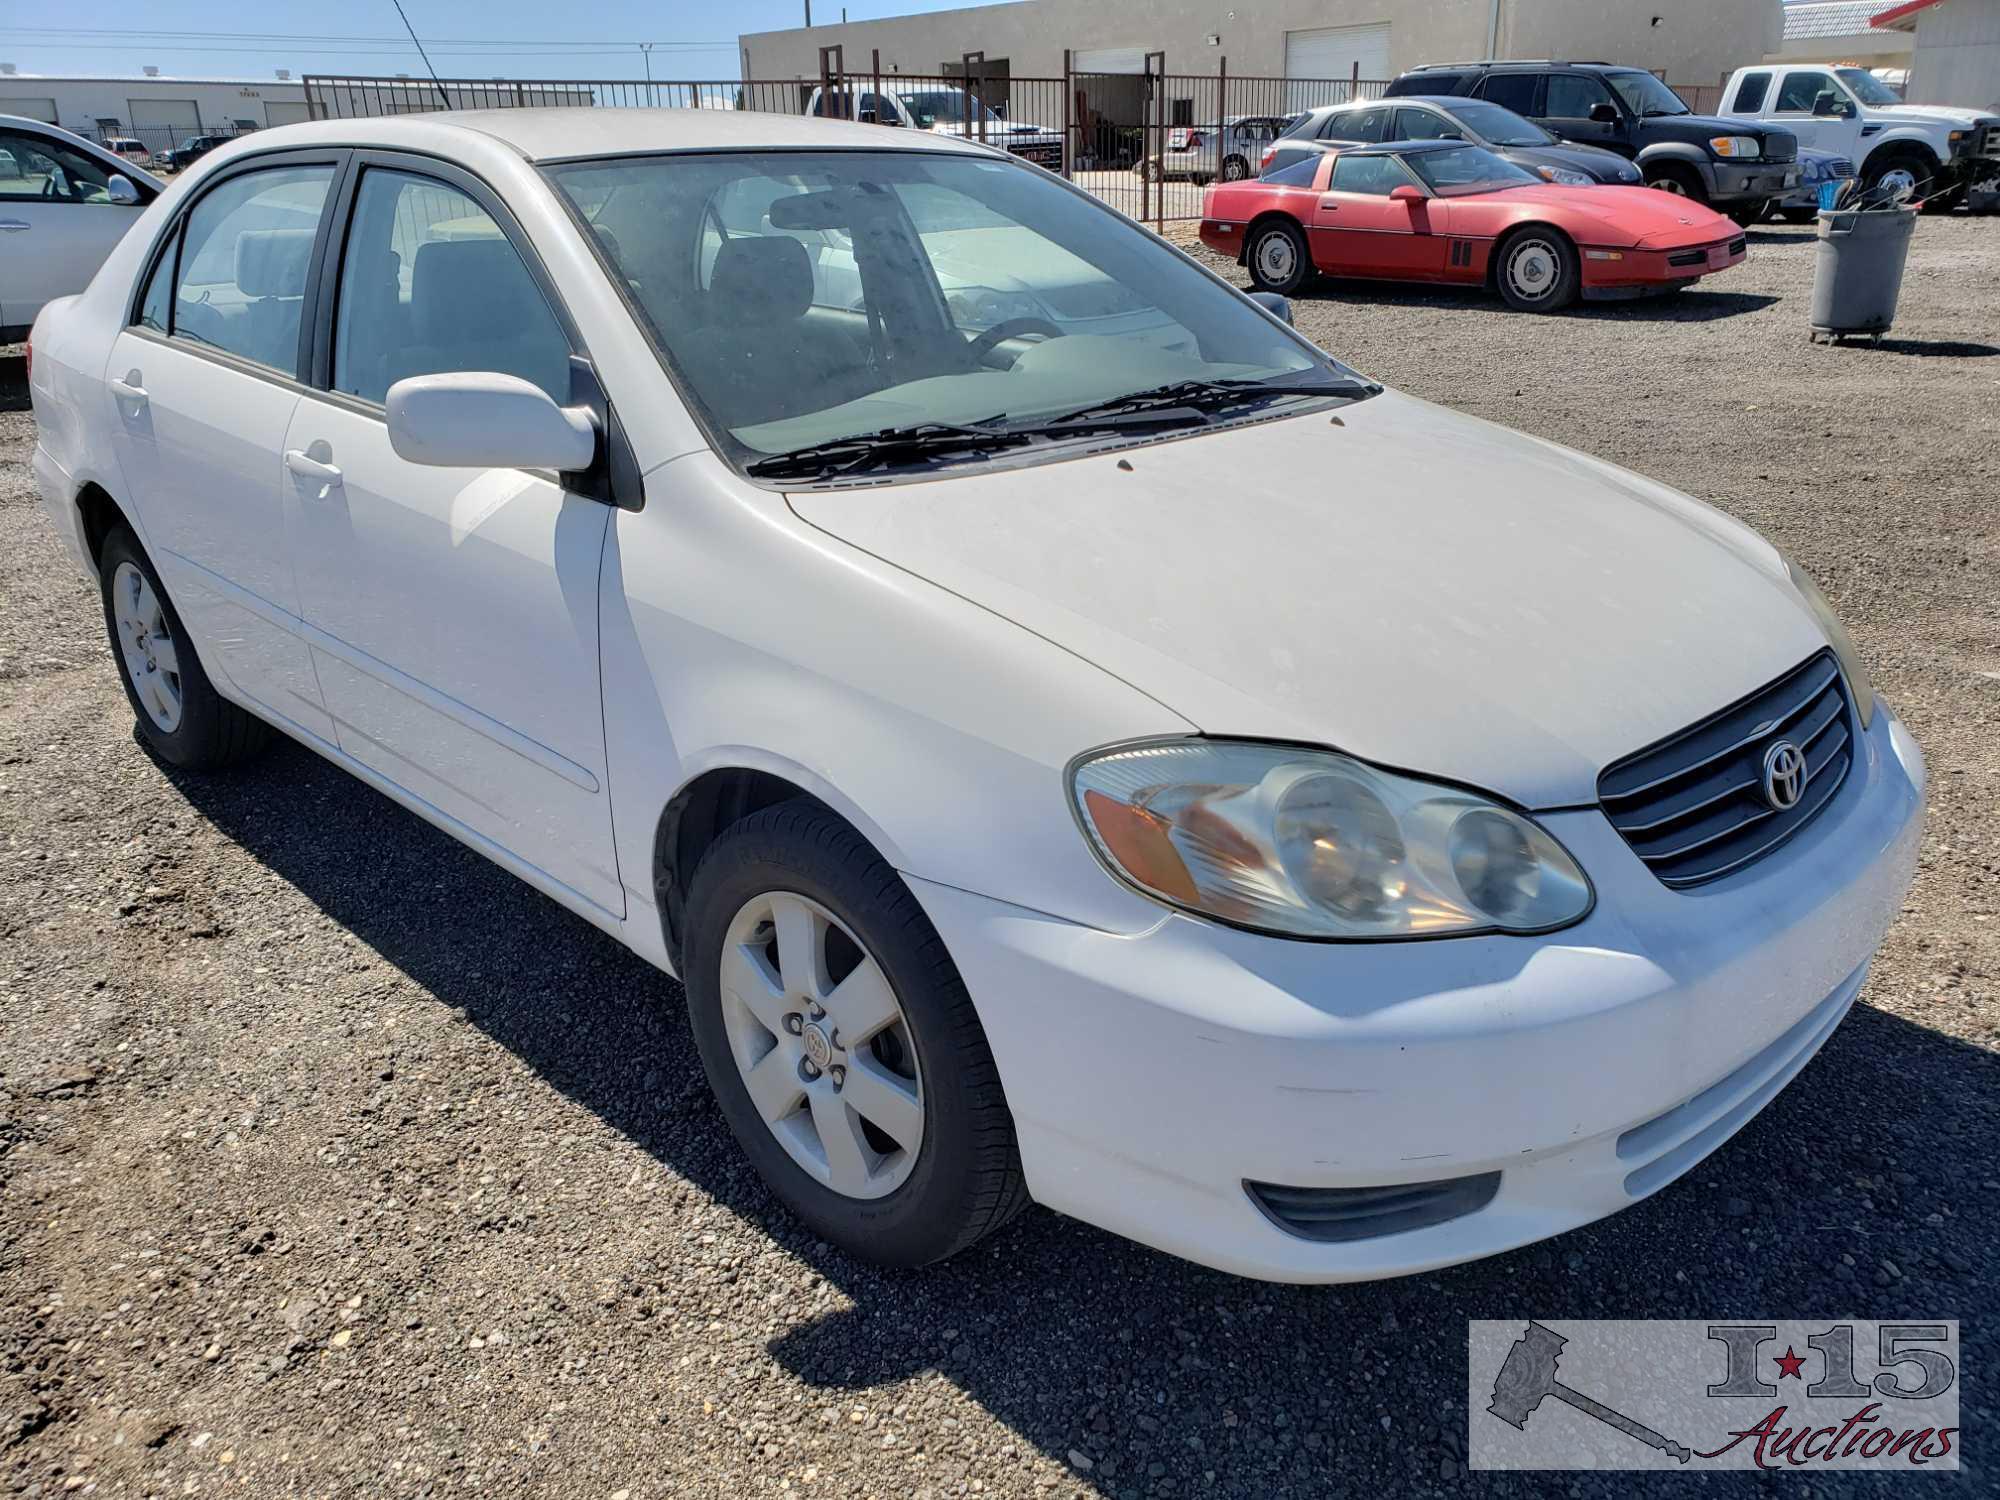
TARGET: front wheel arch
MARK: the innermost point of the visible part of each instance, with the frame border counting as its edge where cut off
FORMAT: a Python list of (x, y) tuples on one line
[(1887, 154)]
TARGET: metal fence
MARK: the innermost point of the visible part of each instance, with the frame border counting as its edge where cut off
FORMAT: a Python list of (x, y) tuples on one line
[(1143, 142)]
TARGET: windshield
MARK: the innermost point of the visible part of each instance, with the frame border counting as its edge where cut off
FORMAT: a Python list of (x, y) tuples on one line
[(1466, 169), (1500, 127), (1646, 95), (944, 107), (1867, 87), (808, 297)]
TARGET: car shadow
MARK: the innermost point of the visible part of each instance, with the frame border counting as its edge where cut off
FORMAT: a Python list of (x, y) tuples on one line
[(1164, 1377), (1695, 305), (1771, 235)]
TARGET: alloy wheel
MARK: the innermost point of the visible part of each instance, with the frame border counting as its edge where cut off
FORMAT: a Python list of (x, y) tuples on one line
[(1899, 183), (822, 1045), (146, 642), (1671, 185), (1533, 265)]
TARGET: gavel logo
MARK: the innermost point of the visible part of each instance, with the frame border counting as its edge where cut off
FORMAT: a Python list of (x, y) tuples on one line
[(1529, 1374)]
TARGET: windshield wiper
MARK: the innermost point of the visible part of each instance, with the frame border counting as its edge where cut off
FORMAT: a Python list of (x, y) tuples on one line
[(885, 447), (1203, 397)]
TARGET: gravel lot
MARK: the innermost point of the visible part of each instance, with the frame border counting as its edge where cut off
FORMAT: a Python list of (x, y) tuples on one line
[(335, 1162)]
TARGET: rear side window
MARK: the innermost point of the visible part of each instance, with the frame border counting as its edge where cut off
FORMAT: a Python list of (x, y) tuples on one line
[(241, 283), (1750, 93), (1292, 167), (1516, 91), (430, 284), (156, 307), (1433, 83)]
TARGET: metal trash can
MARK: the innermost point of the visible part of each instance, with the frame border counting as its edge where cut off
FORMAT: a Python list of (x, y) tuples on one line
[(1859, 273)]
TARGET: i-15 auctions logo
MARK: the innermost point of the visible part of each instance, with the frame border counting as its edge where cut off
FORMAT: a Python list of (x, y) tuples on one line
[(1603, 1394)]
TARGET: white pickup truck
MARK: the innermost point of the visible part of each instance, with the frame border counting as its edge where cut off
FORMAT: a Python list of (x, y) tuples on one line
[(1924, 151), (942, 110)]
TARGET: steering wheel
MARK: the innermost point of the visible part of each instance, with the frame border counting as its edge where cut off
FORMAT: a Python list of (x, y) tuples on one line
[(1011, 328)]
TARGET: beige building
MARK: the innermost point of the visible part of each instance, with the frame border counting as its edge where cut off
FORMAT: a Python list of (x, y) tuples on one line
[(1957, 53), (1692, 42)]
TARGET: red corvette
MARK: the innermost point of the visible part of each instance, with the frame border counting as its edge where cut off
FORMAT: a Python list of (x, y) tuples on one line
[(1449, 212)]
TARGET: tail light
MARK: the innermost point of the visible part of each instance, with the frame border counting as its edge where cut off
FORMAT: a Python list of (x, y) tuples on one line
[(1269, 152), (1194, 141)]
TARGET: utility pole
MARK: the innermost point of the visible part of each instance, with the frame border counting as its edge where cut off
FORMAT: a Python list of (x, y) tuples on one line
[(646, 51), (809, 14)]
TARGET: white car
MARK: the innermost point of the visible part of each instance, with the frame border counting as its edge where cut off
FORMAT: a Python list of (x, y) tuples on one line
[(64, 202), (941, 109), (1929, 151), (1177, 781)]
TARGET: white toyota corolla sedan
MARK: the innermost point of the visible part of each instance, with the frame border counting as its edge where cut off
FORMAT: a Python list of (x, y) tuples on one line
[(1074, 739)]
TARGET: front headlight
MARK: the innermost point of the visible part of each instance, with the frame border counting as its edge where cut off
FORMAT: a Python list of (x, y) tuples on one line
[(1735, 145), (1566, 177), (1308, 843), (1836, 637)]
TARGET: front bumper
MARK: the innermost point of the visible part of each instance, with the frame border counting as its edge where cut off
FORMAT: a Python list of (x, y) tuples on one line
[(1731, 182), (1151, 1075), (1629, 272)]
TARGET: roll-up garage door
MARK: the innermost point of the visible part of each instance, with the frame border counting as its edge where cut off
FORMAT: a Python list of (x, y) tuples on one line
[(30, 109), (164, 117), (1335, 52), (1108, 60)]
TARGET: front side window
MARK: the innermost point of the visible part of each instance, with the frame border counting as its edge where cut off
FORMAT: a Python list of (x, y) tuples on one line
[(1363, 125), (1495, 126), (430, 285), (1800, 90), (1423, 125), (1377, 176), (1467, 169), (1750, 93), (37, 169), (1867, 87), (245, 253), (1572, 96), (848, 293), (1515, 91)]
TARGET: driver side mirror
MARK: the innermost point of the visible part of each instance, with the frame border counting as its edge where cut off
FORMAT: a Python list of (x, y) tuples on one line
[(1604, 112), (481, 419), (121, 190), (1277, 306), (1406, 193)]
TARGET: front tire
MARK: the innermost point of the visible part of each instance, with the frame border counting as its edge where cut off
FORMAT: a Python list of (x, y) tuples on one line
[(180, 714), (1538, 270), (1750, 215), (1673, 177), (1902, 175), (841, 1043), (1279, 259)]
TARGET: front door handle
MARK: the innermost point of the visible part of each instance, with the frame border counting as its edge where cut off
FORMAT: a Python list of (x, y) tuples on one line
[(131, 388), (15, 226), (311, 463)]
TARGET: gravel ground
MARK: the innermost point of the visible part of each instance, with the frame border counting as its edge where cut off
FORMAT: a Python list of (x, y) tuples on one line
[(336, 1162)]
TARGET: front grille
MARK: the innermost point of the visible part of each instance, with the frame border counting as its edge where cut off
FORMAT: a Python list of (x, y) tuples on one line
[(1781, 145), (1693, 806), (1345, 1214), (1736, 245), (1688, 258)]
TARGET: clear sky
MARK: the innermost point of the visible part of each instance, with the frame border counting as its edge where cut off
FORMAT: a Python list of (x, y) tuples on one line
[(465, 38)]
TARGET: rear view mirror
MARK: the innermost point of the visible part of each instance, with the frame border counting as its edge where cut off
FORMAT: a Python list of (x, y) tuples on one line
[(482, 419), (120, 190), (1278, 307), (1406, 193), (830, 208), (1604, 112)]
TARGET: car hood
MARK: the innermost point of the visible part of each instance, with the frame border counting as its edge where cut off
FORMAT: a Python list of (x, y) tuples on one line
[(1413, 586), (1924, 114), (1629, 215), (1605, 166)]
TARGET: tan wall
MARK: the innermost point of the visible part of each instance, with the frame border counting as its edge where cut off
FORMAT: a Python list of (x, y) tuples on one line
[(1878, 49), (1696, 41), (1957, 59)]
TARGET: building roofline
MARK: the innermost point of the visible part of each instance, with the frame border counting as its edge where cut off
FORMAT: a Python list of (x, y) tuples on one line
[(138, 78), (1891, 20)]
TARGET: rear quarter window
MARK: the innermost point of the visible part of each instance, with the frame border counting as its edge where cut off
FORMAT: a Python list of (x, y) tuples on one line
[(1516, 91)]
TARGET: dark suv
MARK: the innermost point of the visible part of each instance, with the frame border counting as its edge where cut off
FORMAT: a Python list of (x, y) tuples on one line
[(1734, 166), (192, 150)]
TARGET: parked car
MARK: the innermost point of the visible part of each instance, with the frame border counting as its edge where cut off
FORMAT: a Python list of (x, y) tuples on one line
[(1445, 117), (1733, 167), (1926, 151), (1205, 152), (191, 150), (64, 203), (1075, 768), (127, 148), (1452, 212), (1816, 169), (943, 111)]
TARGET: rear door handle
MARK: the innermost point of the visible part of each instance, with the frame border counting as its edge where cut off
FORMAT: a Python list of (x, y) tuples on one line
[(130, 388), (15, 226), (302, 463)]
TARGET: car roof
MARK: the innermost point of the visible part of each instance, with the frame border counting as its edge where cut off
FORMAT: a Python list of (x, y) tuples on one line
[(558, 133)]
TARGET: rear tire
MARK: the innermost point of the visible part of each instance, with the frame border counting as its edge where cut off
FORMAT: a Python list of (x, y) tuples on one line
[(181, 716), (1235, 169), (1538, 270), (1676, 178), (789, 911), (1279, 258)]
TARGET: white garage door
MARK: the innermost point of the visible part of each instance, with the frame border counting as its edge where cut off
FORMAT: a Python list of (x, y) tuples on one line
[(1108, 60), (30, 109), (1335, 52), (163, 117), (285, 111)]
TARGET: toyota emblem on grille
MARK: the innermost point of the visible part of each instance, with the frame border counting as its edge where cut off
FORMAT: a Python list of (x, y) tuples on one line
[(1784, 776)]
